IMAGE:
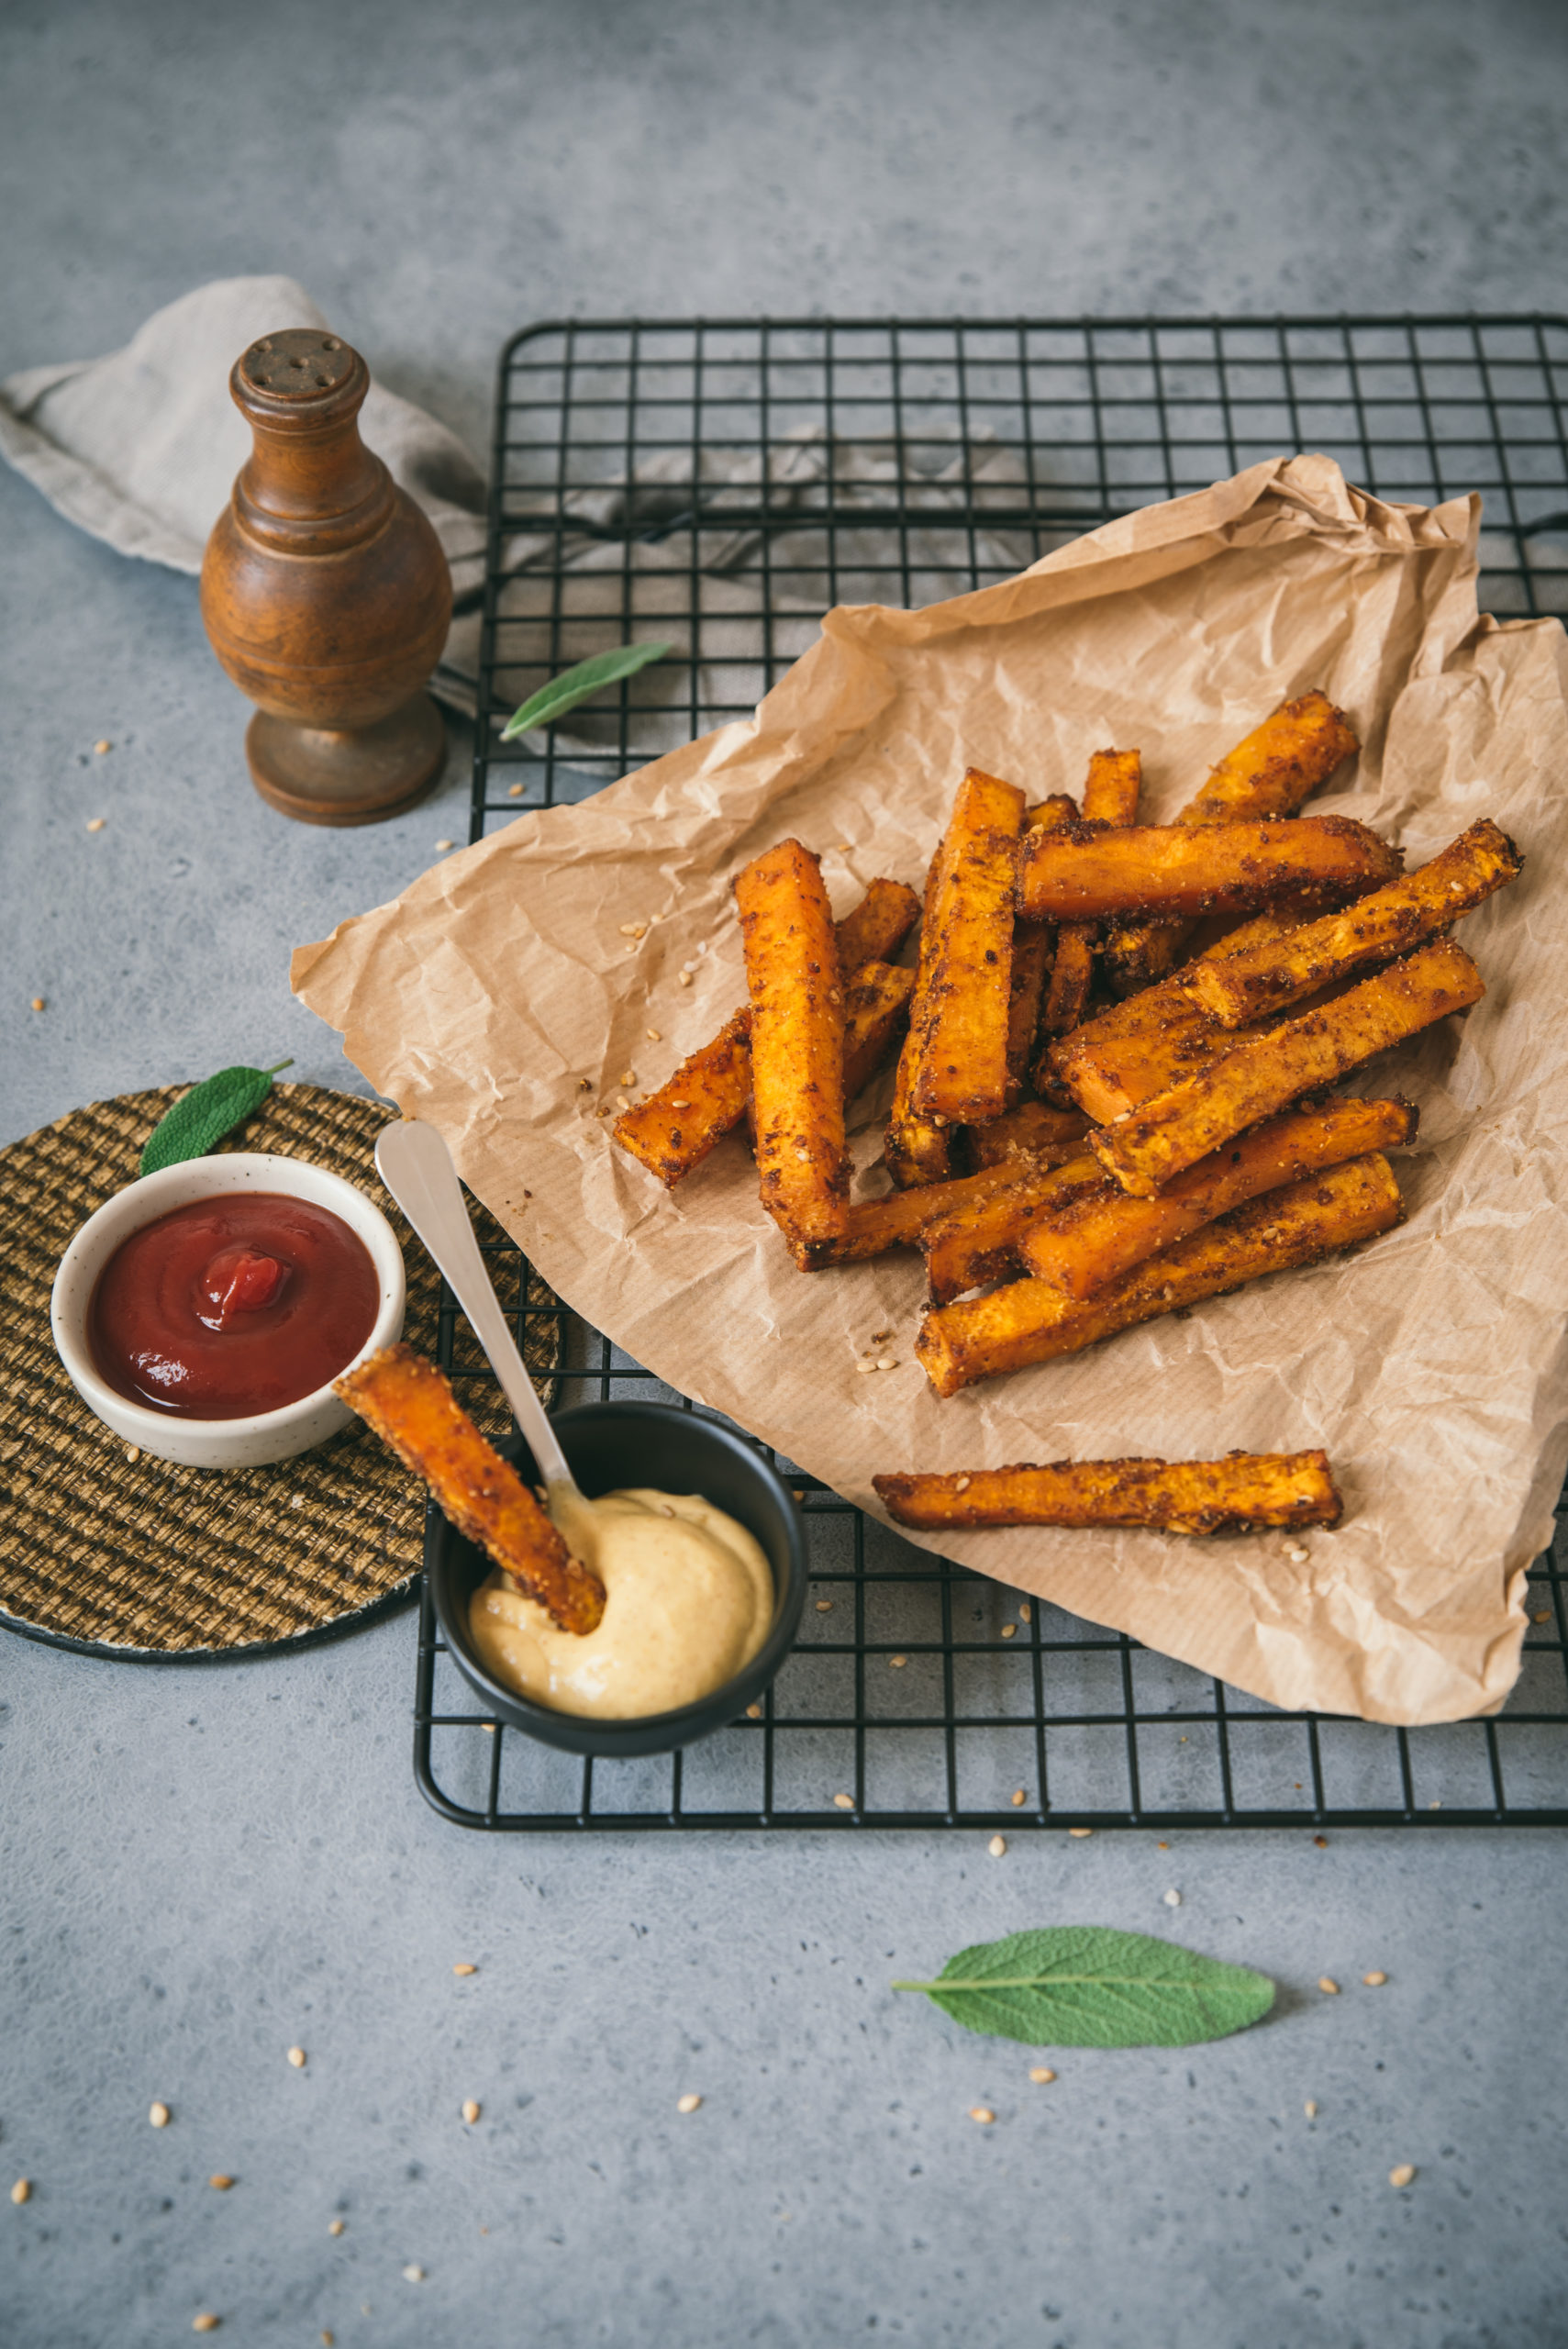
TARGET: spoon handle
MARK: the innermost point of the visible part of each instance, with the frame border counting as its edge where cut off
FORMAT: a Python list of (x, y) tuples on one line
[(416, 1166)]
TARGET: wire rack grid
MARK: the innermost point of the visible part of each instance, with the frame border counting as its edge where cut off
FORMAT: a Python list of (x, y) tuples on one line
[(719, 484)]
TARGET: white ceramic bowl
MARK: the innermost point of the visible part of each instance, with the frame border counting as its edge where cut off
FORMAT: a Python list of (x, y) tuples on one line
[(217, 1444)]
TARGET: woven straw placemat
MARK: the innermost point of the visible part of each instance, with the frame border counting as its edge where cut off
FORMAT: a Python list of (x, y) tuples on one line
[(138, 1557)]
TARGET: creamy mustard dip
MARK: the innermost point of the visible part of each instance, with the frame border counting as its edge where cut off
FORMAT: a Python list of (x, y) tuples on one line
[(688, 1601)]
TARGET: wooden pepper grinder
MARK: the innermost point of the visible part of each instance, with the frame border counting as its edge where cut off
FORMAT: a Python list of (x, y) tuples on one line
[(326, 594)]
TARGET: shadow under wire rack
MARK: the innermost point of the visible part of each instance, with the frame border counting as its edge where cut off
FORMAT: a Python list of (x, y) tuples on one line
[(719, 485)]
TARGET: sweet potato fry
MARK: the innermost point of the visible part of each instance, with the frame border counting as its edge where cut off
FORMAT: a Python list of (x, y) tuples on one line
[(959, 1019), (898, 1218), (1031, 1130), (876, 1005), (1267, 977), (1030, 1321), (412, 1407), (918, 1149), (1110, 796), (1154, 1039), (1281, 762), (1173, 1497), (1094, 1240), (979, 1242), (1263, 1071), (874, 930), (1079, 874), (798, 1042), (1034, 950), (676, 1127)]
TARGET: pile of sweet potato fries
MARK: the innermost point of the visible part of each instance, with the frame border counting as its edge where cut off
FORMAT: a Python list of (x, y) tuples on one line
[(1110, 1100)]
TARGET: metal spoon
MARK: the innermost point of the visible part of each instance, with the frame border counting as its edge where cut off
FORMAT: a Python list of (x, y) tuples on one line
[(416, 1166)]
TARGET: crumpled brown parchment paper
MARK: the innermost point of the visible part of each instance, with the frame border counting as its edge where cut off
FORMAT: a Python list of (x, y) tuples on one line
[(1432, 1367)]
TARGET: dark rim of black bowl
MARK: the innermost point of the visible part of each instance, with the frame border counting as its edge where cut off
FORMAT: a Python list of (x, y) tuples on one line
[(453, 1579)]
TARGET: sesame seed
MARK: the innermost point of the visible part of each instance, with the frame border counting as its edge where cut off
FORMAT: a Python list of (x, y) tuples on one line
[(22, 2190), (632, 929), (753, 1712), (1296, 1553), (885, 1362), (133, 1453), (1018, 1798), (865, 1368), (96, 823), (1162, 1847), (1403, 2174), (103, 749), (336, 2228), (1025, 1612), (412, 2275), (158, 2114), (220, 2182), (687, 2103), (897, 1662), (1542, 1614), (843, 1802), (998, 1847), (443, 845), (982, 2113), (622, 1103), (937, 1122), (1374, 1981), (654, 1036), (1042, 2074), (38, 1006), (513, 791), (1328, 1987), (824, 1607), (685, 979), (1080, 1834), (297, 2057), (680, 1105), (465, 1968), (1173, 1898), (1434, 1806), (1310, 2107), (962, 1484), (471, 2112), (205, 2322), (627, 1076), (1010, 1631), (843, 848)]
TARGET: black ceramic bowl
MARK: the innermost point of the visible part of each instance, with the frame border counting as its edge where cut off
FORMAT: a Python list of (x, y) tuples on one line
[(607, 1446)]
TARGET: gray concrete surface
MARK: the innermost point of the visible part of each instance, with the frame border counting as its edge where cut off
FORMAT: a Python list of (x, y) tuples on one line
[(202, 1867)]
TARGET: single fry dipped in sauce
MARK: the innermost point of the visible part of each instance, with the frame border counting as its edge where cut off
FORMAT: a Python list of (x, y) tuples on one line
[(1174, 1497), (412, 1407)]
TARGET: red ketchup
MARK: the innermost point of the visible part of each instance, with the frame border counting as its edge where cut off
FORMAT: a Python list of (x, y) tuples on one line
[(232, 1305)]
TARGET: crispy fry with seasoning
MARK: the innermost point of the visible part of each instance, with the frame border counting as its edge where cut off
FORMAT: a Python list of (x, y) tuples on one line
[(1079, 874), (1267, 977), (798, 1042), (412, 1407), (917, 1150), (1153, 1040), (958, 1023), (1032, 1322), (1110, 796), (1031, 1130), (1034, 951), (1094, 1240), (1173, 1497), (876, 1005), (1265, 1071), (1278, 766), (981, 1241), (898, 1218), (676, 1127)]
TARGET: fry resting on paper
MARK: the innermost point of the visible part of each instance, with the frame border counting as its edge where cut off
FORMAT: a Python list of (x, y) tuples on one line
[(676, 1127), (412, 1407), (898, 1218), (1266, 977), (1110, 796), (1263, 1072), (1153, 1040), (958, 1022), (1097, 1239), (981, 1241), (798, 1042), (1277, 767), (1077, 874), (1174, 1497), (1035, 950), (1031, 1322)]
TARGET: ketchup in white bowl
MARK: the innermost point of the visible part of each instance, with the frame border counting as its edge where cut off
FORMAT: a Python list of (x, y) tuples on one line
[(232, 1305)]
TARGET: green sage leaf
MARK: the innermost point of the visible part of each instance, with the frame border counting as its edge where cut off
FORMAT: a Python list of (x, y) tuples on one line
[(203, 1114), (572, 686), (1089, 1986)]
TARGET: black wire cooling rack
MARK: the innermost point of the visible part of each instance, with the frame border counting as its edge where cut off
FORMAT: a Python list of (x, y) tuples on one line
[(720, 484)]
